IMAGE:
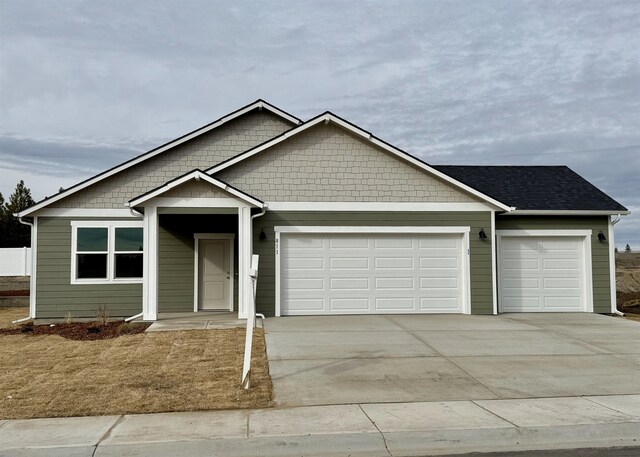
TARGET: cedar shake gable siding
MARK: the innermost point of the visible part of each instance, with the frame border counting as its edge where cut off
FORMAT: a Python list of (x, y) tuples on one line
[(203, 152), (327, 163)]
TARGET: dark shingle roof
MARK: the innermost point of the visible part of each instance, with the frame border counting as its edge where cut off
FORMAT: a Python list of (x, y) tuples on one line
[(534, 187)]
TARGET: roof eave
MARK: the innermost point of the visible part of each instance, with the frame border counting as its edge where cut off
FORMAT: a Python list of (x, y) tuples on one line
[(566, 212), (258, 104)]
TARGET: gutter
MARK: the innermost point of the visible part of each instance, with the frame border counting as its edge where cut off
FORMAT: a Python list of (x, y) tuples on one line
[(614, 302), (30, 224)]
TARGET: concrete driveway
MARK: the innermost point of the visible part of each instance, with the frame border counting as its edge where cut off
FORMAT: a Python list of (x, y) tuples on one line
[(377, 359)]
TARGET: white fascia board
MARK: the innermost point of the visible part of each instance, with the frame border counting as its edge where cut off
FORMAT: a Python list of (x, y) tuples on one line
[(378, 206), (195, 175), (212, 203), (89, 212), (368, 229), (544, 232), (535, 212), (260, 104), (328, 117)]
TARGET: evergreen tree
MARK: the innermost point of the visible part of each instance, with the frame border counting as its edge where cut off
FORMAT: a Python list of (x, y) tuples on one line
[(627, 249), (13, 234)]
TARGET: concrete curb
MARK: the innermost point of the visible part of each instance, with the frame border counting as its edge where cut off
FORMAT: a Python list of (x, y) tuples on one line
[(393, 429)]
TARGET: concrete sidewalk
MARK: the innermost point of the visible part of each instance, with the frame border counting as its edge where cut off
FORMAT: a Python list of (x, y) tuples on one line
[(396, 429)]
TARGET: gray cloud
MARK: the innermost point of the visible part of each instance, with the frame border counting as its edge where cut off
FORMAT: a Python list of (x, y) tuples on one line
[(85, 85)]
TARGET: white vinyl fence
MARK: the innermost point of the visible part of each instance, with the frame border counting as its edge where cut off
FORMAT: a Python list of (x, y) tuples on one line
[(15, 261)]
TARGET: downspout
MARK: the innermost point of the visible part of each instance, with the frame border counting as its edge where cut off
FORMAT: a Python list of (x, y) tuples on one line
[(135, 214), (255, 216), (30, 224), (614, 301)]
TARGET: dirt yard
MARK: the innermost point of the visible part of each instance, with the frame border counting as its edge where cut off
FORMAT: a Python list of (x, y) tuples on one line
[(628, 284), (50, 376)]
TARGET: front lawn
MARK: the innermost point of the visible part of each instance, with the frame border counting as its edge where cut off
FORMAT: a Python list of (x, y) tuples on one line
[(50, 376)]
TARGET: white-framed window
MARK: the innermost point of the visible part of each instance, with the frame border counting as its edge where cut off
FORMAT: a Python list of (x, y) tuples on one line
[(106, 252)]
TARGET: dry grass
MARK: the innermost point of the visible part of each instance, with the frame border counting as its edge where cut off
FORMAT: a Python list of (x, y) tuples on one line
[(11, 314), (49, 376)]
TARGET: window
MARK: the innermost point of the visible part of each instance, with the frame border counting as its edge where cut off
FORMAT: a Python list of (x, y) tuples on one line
[(106, 252)]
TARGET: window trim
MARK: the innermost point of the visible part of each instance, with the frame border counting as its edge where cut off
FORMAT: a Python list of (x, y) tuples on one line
[(111, 227)]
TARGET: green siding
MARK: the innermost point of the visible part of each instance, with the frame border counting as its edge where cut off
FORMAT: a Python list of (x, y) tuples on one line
[(56, 297), (599, 251), (480, 262), (176, 257)]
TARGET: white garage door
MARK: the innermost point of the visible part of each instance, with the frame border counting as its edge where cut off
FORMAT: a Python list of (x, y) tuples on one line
[(542, 274), (328, 273)]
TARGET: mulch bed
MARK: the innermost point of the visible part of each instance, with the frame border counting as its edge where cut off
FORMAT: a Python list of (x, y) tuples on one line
[(79, 330), (14, 293)]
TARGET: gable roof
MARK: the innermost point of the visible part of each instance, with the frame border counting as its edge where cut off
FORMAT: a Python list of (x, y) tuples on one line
[(327, 117), (257, 105), (536, 188), (195, 175)]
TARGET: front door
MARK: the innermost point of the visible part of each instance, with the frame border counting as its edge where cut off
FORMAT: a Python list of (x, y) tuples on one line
[(215, 274)]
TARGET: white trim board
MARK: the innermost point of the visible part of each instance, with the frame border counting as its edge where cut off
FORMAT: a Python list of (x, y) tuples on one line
[(587, 257), (258, 104), (89, 212), (212, 203), (377, 206), (196, 274), (368, 229), (329, 117), (110, 252), (463, 231)]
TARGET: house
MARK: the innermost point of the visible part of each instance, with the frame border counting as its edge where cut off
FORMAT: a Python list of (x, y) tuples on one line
[(343, 222)]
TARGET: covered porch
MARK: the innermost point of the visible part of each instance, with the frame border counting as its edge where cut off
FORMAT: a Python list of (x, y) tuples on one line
[(197, 244)]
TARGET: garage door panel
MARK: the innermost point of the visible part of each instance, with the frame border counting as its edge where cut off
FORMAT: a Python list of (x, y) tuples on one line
[(439, 262), (348, 243), (519, 283), (371, 273), (400, 283), (303, 243), (571, 303), (394, 263), (349, 283), (349, 263), (561, 264), (439, 281), (438, 242), (393, 243), (561, 283), (439, 304), (304, 284), (307, 263), (395, 304), (552, 278), (349, 304)]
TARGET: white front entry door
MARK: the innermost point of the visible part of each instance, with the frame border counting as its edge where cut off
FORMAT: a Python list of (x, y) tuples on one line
[(215, 274), (371, 273)]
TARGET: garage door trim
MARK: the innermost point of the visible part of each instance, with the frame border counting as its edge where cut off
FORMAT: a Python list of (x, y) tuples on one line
[(586, 235), (462, 230)]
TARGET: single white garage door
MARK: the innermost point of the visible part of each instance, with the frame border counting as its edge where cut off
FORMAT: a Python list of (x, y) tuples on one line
[(329, 273), (542, 274)]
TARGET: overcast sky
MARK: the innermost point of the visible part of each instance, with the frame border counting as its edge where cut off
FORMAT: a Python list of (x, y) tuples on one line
[(85, 85)]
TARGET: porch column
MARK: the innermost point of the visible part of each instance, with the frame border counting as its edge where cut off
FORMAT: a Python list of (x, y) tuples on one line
[(245, 232), (150, 265)]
